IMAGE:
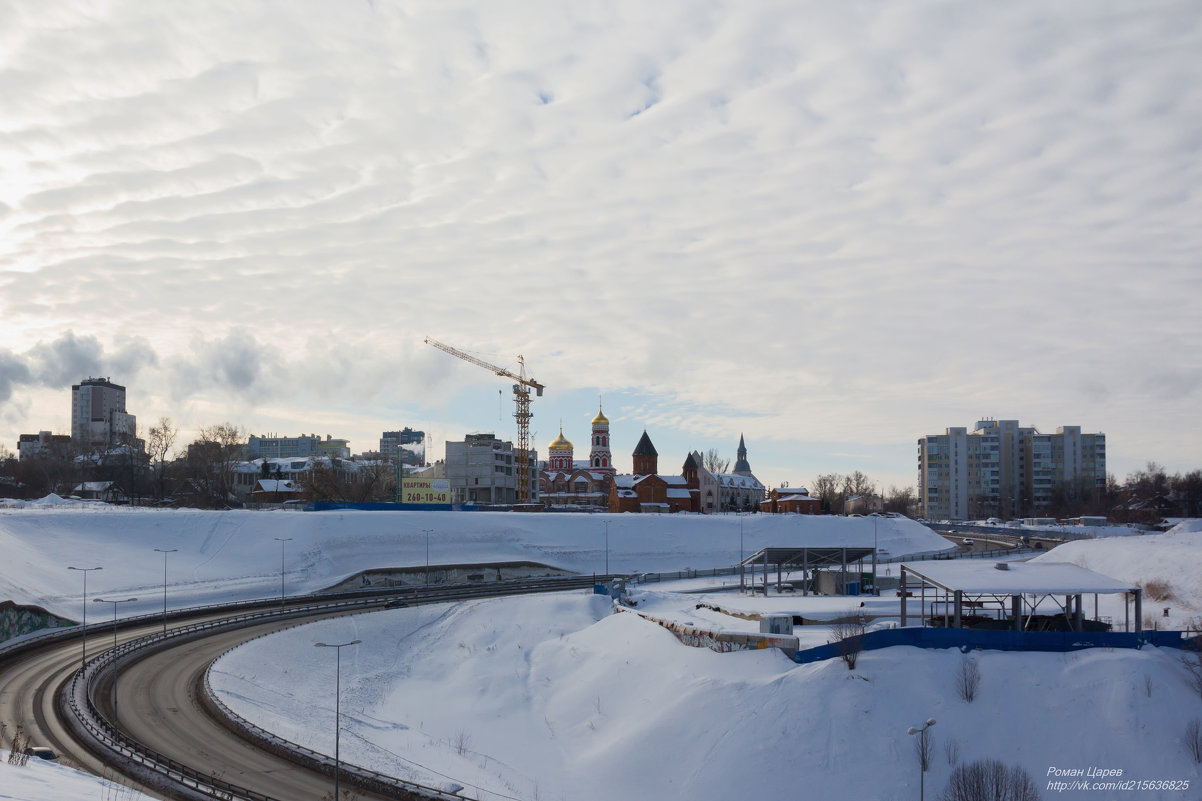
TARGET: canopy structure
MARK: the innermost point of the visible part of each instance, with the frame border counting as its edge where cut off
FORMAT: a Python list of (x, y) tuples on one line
[(808, 558), (957, 585)]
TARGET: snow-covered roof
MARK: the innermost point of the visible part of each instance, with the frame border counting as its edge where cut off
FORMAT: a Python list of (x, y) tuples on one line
[(276, 485), (972, 575), (679, 493)]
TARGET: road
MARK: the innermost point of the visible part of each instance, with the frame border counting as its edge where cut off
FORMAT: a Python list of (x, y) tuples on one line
[(158, 697)]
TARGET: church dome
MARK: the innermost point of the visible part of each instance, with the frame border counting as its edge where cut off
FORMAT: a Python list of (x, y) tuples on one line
[(600, 419), (560, 443)]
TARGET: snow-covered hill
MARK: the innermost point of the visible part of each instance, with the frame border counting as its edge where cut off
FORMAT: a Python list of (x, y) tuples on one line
[(235, 555)]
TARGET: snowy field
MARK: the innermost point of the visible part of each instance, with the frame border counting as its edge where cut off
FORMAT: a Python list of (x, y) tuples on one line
[(46, 781), (554, 697), (234, 555)]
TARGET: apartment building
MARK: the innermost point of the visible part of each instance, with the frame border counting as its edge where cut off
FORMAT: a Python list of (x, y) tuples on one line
[(483, 469), (1003, 469), (98, 416), (405, 447)]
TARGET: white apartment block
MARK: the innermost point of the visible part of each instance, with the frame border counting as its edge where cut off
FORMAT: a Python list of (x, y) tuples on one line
[(483, 469), (1002, 469), (98, 416)]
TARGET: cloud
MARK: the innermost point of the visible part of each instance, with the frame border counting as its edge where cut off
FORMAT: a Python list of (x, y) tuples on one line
[(834, 222), (13, 372)]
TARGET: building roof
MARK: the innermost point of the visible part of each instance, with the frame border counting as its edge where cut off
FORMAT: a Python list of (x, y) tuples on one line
[(645, 448), (741, 465), (1042, 578), (820, 553)]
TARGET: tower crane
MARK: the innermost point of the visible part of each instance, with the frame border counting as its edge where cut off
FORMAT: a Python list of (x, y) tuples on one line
[(521, 400)]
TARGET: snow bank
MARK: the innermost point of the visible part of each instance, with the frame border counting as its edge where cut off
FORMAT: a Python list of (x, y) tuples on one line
[(46, 781), (551, 697), (234, 555)]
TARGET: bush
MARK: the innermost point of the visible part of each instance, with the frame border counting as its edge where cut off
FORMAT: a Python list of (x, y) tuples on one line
[(847, 635), (968, 679), (990, 780), (1193, 739), (1158, 590)]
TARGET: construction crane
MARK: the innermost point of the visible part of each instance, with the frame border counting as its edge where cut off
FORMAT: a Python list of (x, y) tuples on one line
[(521, 399)]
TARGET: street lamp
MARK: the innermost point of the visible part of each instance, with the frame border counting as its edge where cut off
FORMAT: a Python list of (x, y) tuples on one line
[(281, 541), (116, 716), (428, 532), (337, 703), (606, 522), (164, 553), (742, 569), (85, 571), (922, 756)]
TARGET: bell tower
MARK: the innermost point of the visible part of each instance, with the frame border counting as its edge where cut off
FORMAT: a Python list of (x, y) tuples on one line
[(600, 457)]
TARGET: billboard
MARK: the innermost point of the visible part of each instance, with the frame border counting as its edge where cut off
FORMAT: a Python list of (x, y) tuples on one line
[(425, 490)]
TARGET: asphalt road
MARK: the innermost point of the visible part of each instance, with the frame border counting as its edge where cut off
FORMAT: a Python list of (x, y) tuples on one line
[(158, 705)]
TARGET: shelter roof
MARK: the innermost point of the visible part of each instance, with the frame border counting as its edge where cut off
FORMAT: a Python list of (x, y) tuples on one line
[(1044, 578), (811, 555)]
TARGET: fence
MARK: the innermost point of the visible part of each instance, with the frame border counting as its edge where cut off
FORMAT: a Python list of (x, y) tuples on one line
[(971, 639)]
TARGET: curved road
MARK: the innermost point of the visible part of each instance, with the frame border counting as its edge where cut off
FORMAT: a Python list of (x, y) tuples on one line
[(159, 703)]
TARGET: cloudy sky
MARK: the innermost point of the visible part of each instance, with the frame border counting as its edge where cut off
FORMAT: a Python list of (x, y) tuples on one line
[(832, 227)]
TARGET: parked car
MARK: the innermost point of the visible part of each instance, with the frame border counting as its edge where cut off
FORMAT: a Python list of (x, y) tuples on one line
[(42, 752)]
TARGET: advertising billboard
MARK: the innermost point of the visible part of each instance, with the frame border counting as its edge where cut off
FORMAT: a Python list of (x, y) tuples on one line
[(425, 490)]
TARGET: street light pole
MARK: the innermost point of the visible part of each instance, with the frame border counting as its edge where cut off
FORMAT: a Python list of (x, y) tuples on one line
[(281, 541), (921, 732), (606, 546), (85, 571), (337, 701), (742, 569), (164, 553), (428, 532), (116, 715)]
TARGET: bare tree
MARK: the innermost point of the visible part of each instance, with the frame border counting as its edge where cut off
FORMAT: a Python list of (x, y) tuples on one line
[(1192, 660), (951, 750), (847, 635), (1193, 739), (159, 442), (968, 679), (211, 461), (990, 780), (858, 483), (828, 488), (901, 500), (713, 462)]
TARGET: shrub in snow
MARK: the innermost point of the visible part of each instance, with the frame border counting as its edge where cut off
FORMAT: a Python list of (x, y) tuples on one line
[(847, 635), (968, 679), (1193, 739), (1158, 590), (990, 780)]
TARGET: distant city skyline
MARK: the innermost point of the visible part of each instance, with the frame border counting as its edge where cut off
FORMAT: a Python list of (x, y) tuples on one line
[(831, 228)]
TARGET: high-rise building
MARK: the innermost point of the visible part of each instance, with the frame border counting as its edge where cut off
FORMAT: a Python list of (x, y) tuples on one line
[(98, 416), (1003, 469), (405, 447)]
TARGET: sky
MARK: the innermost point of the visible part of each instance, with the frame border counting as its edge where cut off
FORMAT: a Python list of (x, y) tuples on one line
[(831, 228)]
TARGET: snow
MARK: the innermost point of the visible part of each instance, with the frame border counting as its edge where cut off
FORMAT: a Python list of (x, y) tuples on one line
[(554, 697), (234, 555), (39, 780), (977, 575)]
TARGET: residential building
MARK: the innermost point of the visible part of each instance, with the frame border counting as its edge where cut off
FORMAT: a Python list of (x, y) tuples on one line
[(43, 445), (276, 447), (791, 500), (405, 447), (483, 470), (99, 420), (1002, 469)]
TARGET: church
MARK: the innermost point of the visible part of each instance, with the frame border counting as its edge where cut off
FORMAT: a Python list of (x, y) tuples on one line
[(694, 490), (565, 483)]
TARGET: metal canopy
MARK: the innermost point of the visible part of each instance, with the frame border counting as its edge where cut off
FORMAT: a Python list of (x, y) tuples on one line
[(809, 556)]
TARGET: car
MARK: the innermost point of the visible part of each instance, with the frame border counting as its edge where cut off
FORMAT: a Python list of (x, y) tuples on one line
[(969, 542), (396, 603), (42, 752)]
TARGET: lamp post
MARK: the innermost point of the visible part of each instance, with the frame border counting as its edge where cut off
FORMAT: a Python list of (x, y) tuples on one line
[(428, 532), (606, 522), (922, 756), (741, 568), (85, 571), (164, 553), (281, 541), (337, 702), (116, 715)]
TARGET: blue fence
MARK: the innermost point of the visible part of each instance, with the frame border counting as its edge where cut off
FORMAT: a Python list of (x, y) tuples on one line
[(366, 506), (971, 639)]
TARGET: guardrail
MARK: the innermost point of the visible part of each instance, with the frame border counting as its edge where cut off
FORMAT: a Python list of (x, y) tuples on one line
[(79, 708)]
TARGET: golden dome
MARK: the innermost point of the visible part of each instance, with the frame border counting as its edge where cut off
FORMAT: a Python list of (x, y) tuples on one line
[(600, 419), (560, 443)]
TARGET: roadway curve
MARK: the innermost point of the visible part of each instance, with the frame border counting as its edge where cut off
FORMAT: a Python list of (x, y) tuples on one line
[(159, 703)]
